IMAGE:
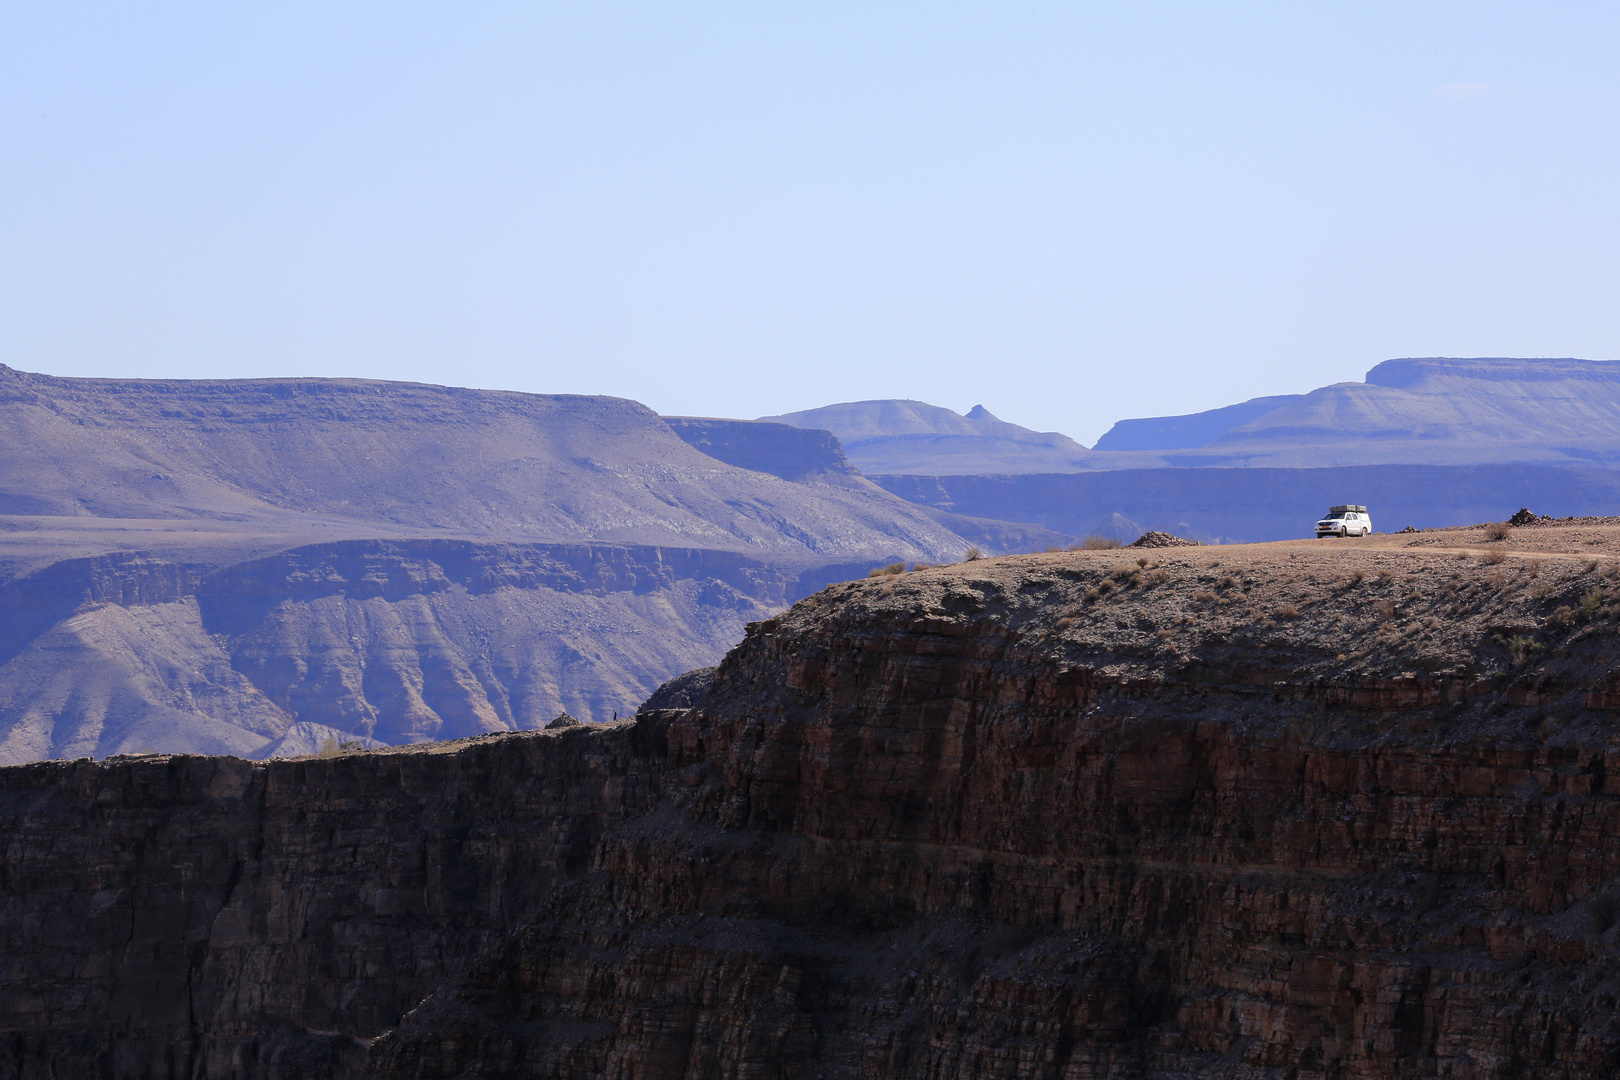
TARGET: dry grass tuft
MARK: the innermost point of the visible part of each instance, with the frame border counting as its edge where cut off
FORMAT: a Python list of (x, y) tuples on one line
[(1498, 530), (1286, 613), (1494, 557), (1101, 543), (887, 571)]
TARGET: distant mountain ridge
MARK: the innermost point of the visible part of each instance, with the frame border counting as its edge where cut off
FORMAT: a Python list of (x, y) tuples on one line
[(1421, 410), (253, 566), (902, 436), (429, 460)]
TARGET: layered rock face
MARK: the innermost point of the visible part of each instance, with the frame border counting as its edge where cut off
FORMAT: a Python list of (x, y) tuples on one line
[(1074, 816), (212, 917), (397, 641)]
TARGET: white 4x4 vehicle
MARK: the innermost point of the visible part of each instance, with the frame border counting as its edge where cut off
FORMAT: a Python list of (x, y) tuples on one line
[(1348, 520)]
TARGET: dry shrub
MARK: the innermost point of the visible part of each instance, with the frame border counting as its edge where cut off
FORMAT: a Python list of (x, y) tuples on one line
[(1126, 575), (1227, 582), (887, 571), (1356, 578), (923, 566), (1142, 562), (973, 554), (1101, 543), (1494, 557), (1561, 618), (1204, 596), (1385, 577), (1164, 632), (1286, 613), (1386, 608), (1066, 622), (1498, 530)]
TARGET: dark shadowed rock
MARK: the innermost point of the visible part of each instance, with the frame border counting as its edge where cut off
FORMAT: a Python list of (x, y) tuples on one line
[(779, 449), (681, 692)]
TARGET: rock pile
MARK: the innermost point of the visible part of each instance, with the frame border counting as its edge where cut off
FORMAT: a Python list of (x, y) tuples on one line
[(1161, 540)]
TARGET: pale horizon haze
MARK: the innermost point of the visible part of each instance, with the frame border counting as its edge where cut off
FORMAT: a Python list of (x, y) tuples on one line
[(1070, 213)]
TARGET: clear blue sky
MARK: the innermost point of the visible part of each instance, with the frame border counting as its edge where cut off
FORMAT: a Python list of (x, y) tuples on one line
[(1071, 213)]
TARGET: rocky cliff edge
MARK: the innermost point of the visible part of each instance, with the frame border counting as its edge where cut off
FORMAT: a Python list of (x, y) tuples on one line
[(1287, 811)]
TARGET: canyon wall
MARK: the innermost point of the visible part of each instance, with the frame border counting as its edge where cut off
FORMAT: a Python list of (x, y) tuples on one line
[(397, 641), (212, 917), (1215, 814)]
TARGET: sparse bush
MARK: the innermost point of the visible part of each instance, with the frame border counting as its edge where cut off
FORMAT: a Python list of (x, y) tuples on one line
[(329, 747), (1104, 587), (1498, 530), (1561, 618), (1522, 647), (1066, 622), (973, 554), (1101, 543), (923, 566), (1386, 608), (1128, 576), (1204, 595), (1385, 577), (1227, 582), (1494, 557), (1356, 578), (1286, 613), (1590, 603), (887, 571), (1142, 562)]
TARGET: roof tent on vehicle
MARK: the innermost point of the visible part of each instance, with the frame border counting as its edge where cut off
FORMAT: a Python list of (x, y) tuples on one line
[(1347, 508)]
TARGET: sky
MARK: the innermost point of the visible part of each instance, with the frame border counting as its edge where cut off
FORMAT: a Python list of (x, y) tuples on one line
[(1071, 213)]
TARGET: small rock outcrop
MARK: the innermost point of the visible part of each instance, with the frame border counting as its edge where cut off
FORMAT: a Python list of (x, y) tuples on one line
[(1154, 539), (563, 721), (681, 692)]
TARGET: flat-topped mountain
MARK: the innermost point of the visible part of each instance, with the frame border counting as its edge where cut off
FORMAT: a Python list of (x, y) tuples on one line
[(246, 566), (432, 460), (1436, 411), (894, 436)]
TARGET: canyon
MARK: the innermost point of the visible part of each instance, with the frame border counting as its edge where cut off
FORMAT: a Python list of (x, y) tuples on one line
[(1291, 811), (254, 567)]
